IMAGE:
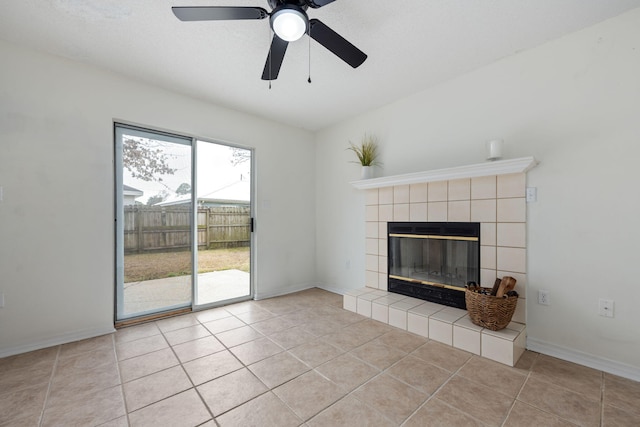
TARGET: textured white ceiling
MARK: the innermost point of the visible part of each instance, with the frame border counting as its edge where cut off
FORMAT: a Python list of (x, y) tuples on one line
[(412, 45)]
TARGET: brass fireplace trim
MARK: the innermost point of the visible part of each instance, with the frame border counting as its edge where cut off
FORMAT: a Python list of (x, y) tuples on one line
[(425, 282), (428, 236)]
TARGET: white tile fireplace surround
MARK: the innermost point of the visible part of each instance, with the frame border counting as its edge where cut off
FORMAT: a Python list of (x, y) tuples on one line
[(440, 323), (491, 193)]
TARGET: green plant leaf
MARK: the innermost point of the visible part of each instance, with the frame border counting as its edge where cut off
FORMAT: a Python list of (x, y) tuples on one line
[(366, 151)]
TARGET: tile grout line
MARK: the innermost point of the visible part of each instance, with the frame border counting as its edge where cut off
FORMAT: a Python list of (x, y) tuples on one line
[(245, 366), (529, 376), (57, 359), (433, 395), (49, 386), (229, 373), (124, 401), (162, 370), (513, 404), (565, 388), (225, 348), (515, 398), (352, 394), (285, 350), (379, 374), (312, 369), (184, 371), (602, 391), (385, 370)]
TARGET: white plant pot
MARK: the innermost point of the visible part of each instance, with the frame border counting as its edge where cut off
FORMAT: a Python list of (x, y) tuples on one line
[(367, 172)]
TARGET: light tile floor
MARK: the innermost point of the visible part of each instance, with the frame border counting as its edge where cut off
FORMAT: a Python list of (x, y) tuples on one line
[(297, 360)]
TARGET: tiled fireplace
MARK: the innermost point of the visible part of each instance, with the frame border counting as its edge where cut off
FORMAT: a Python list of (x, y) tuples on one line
[(492, 194)]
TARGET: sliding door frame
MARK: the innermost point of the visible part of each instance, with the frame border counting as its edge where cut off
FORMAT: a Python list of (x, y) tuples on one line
[(194, 203), (119, 226)]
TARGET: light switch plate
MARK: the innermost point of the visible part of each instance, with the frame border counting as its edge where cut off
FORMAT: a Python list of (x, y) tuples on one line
[(532, 194)]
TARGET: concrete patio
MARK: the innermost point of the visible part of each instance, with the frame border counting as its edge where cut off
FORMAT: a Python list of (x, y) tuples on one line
[(149, 295)]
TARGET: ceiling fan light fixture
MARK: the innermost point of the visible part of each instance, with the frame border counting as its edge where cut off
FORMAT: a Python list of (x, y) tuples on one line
[(289, 23)]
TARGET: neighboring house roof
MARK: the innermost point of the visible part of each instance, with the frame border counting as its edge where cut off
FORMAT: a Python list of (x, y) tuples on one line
[(130, 191), (236, 193)]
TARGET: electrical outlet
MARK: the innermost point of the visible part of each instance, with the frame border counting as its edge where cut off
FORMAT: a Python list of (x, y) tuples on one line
[(605, 307), (544, 297)]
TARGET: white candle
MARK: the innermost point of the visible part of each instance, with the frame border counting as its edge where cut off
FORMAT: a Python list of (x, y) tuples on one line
[(494, 149)]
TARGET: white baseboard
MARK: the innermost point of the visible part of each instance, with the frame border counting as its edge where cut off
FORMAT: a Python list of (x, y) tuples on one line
[(302, 287), (334, 289), (284, 291), (56, 340), (585, 359), (91, 333)]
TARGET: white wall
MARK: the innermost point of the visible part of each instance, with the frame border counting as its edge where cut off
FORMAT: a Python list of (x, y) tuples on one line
[(572, 103), (56, 170)]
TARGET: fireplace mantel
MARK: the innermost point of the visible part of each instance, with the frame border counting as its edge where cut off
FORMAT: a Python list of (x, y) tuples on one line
[(500, 167)]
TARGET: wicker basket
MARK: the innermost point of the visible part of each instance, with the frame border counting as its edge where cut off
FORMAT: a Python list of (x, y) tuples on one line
[(488, 311)]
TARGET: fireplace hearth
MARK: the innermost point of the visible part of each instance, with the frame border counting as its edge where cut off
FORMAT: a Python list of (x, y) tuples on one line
[(433, 261)]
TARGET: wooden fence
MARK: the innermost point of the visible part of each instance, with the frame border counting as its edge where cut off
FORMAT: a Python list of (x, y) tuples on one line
[(155, 228)]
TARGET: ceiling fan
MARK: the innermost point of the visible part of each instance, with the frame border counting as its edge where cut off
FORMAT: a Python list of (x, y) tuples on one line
[(289, 21)]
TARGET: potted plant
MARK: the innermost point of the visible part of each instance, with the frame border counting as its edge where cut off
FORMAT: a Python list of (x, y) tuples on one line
[(367, 153)]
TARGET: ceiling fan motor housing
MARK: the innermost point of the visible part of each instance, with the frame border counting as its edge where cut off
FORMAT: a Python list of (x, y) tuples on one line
[(303, 4)]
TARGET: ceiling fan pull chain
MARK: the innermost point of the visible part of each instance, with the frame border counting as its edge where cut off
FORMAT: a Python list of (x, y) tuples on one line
[(309, 80)]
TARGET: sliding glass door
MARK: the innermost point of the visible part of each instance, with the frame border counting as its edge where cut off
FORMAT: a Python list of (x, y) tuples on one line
[(154, 259), (175, 251), (223, 184)]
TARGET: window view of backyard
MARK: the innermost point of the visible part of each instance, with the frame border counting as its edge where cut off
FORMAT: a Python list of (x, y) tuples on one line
[(141, 267), (157, 224), (158, 259)]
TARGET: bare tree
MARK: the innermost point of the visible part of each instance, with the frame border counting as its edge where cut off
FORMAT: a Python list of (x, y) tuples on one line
[(145, 159), (239, 155)]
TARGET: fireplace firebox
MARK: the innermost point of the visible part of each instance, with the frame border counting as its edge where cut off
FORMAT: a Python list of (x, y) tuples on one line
[(433, 260)]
